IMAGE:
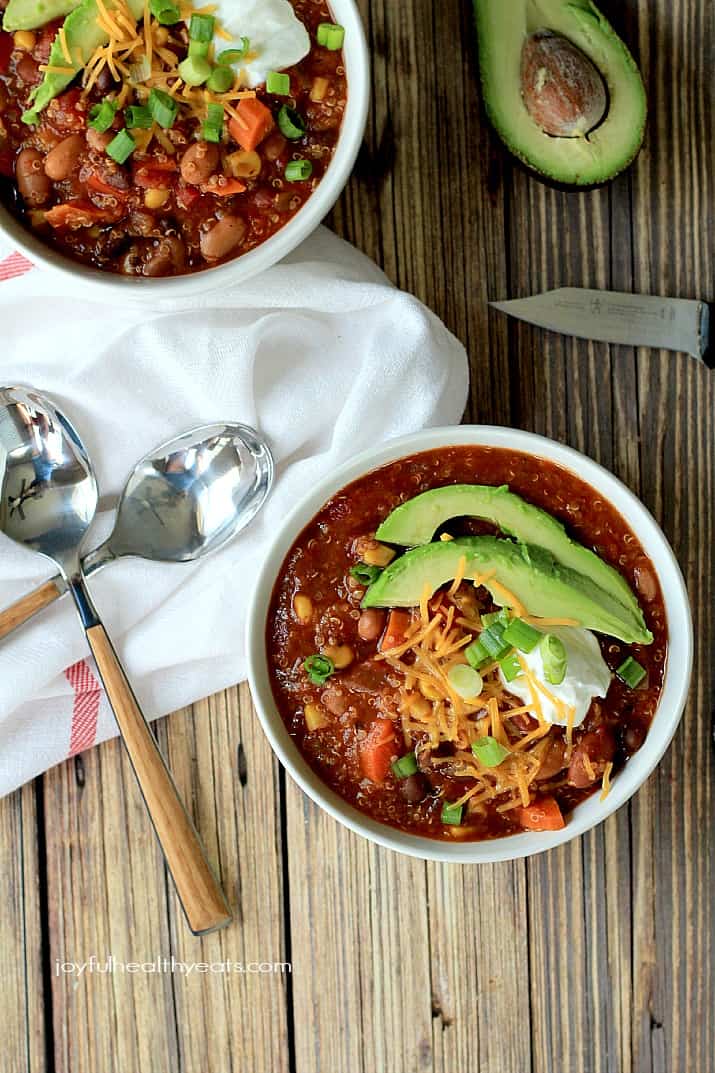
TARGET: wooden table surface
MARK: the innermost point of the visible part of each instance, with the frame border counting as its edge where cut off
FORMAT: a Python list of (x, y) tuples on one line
[(599, 956)]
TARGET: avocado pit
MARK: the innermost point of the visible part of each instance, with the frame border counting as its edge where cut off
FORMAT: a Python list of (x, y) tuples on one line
[(562, 90)]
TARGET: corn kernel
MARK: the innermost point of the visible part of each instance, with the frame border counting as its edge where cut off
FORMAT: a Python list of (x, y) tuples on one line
[(155, 197), (24, 39), (244, 164), (341, 655), (303, 608), (315, 717)]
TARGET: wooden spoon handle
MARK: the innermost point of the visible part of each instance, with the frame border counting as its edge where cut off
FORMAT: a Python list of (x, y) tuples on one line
[(27, 606), (201, 897)]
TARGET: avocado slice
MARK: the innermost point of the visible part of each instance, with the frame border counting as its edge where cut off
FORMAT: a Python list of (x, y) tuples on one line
[(83, 35), (545, 587), (583, 160), (417, 520), (30, 14)]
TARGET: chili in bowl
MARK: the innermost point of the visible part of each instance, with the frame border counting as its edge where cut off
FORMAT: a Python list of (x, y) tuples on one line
[(471, 644), (188, 145)]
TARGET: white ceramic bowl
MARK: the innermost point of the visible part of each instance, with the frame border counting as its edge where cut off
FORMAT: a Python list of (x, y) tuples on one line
[(677, 674), (121, 288)]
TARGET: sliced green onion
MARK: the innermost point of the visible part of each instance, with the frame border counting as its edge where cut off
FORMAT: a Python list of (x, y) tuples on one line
[(452, 814), (465, 681), (405, 766), (318, 669), (136, 115), (489, 752), (330, 35), (199, 49), (163, 108), (631, 672), (477, 655), (365, 574), (278, 83), (212, 128), (510, 666), (522, 635), (553, 656), (493, 640), (298, 170), (165, 12), (194, 70), (221, 80), (121, 147), (291, 123), (495, 616), (201, 27), (234, 55), (139, 71), (101, 116)]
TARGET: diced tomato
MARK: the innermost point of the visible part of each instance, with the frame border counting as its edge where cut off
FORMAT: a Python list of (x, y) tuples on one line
[(155, 174), (395, 631), (5, 51), (377, 750), (68, 111), (101, 187), (75, 214), (186, 195), (543, 814), (256, 120)]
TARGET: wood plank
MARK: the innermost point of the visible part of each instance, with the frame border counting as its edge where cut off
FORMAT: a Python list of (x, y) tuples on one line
[(228, 1019), (21, 942)]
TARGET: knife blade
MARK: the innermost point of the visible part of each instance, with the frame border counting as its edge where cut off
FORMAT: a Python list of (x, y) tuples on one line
[(681, 324)]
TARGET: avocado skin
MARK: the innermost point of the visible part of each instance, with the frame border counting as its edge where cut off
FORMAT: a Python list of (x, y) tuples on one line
[(31, 14), (83, 33), (417, 520), (563, 175), (546, 588)]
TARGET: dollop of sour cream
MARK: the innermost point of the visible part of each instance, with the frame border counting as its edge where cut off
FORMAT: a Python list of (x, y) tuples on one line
[(278, 38), (587, 676)]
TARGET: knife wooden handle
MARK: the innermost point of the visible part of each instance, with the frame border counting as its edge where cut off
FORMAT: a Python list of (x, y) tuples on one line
[(27, 606), (201, 897)]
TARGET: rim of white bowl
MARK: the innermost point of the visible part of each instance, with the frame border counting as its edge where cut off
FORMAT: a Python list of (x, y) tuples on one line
[(677, 672), (275, 248)]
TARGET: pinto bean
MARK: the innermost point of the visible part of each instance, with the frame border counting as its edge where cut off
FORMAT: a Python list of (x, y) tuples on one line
[(158, 257), (199, 162), (99, 140), (61, 161), (553, 759), (33, 184), (371, 624), (413, 788), (223, 237)]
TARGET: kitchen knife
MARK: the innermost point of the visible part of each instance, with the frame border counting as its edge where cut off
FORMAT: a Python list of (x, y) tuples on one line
[(610, 317)]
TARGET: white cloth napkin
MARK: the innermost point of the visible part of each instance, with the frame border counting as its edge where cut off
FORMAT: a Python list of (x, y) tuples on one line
[(320, 352)]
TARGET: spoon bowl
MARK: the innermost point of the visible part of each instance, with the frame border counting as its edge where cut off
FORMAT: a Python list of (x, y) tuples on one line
[(48, 498), (48, 495)]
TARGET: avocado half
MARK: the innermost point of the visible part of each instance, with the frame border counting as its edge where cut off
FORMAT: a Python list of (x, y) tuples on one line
[(545, 587), (586, 160)]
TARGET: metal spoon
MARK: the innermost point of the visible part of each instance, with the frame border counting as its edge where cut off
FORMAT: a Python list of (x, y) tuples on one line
[(185, 499), (48, 499)]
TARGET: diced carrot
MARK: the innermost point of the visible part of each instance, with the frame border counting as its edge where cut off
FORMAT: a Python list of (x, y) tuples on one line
[(543, 814), (254, 122), (223, 189), (394, 634), (75, 214), (377, 750)]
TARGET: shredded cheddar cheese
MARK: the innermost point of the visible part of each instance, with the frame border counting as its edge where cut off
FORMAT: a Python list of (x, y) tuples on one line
[(606, 783)]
